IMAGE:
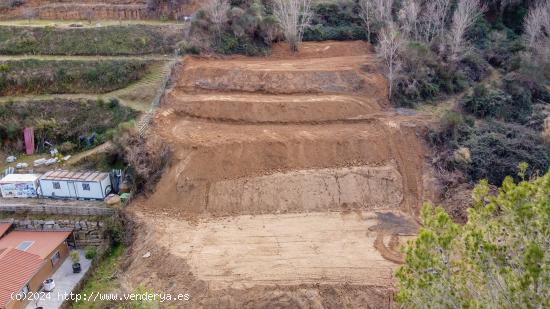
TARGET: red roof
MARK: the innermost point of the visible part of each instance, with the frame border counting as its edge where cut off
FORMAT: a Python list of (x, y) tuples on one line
[(4, 227), (40, 243), (16, 269)]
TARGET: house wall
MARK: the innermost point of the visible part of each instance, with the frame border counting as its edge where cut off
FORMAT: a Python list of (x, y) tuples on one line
[(19, 189), (47, 189), (106, 183), (94, 192), (46, 271), (15, 304), (74, 189)]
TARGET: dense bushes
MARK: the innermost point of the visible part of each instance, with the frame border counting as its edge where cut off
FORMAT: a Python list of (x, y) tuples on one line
[(61, 122), (336, 21), (499, 123), (250, 27), (494, 148), (145, 157), (44, 76), (497, 149), (233, 44), (247, 28), (108, 40), (512, 100), (493, 103), (424, 76)]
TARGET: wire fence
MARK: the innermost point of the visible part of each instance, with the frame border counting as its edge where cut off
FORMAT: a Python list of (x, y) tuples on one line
[(147, 119)]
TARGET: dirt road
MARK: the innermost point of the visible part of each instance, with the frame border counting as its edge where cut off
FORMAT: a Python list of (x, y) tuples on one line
[(292, 182)]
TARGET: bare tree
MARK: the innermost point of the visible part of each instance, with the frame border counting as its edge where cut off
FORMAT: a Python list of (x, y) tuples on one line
[(433, 19), (390, 43), (294, 16), (408, 18), (366, 15), (375, 14), (217, 11), (537, 29), (466, 13)]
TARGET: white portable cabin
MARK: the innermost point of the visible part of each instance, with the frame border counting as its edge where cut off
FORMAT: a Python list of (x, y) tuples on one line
[(20, 185), (79, 185)]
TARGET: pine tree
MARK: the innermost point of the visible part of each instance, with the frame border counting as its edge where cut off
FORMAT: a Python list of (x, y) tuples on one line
[(499, 259)]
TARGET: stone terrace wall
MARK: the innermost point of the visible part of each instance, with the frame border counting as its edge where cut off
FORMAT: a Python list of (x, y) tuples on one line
[(99, 10), (87, 233), (96, 11), (57, 210)]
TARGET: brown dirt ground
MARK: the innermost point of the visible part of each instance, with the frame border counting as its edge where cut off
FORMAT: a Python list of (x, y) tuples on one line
[(252, 108), (292, 183)]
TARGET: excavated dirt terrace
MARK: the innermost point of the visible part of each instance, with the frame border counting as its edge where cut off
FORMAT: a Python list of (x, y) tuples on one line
[(225, 169), (250, 108), (292, 182)]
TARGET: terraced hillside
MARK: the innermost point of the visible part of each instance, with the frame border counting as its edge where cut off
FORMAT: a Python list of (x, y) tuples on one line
[(292, 182), (97, 9), (46, 63)]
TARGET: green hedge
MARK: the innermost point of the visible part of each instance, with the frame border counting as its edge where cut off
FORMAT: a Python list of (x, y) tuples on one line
[(336, 21), (232, 44), (338, 33), (67, 76), (108, 40)]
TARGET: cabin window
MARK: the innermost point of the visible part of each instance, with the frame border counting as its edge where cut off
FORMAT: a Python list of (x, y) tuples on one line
[(55, 258), (23, 246), (56, 185), (86, 186)]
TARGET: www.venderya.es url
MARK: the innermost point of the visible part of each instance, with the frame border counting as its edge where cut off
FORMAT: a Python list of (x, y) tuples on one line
[(95, 296)]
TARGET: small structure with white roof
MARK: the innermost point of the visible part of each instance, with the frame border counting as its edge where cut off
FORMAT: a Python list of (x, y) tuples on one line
[(79, 185), (20, 185)]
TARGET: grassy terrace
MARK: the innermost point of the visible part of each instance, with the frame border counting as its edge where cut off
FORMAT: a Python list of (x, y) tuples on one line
[(84, 24), (31, 76), (137, 95), (108, 40), (52, 42), (49, 62), (102, 280)]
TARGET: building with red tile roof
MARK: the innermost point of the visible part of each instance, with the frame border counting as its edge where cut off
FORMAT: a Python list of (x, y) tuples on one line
[(27, 258), (40, 243), (18, 269)]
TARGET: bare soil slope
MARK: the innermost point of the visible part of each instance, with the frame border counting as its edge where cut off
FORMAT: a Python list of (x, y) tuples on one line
[(292, 182)]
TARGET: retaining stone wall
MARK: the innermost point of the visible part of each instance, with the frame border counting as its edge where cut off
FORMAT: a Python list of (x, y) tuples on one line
[(87, 233)]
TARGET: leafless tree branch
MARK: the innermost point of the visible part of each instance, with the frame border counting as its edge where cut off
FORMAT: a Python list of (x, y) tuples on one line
[(464, 17), (390, 43), (537, 29), (294, 16), (217, 11)]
